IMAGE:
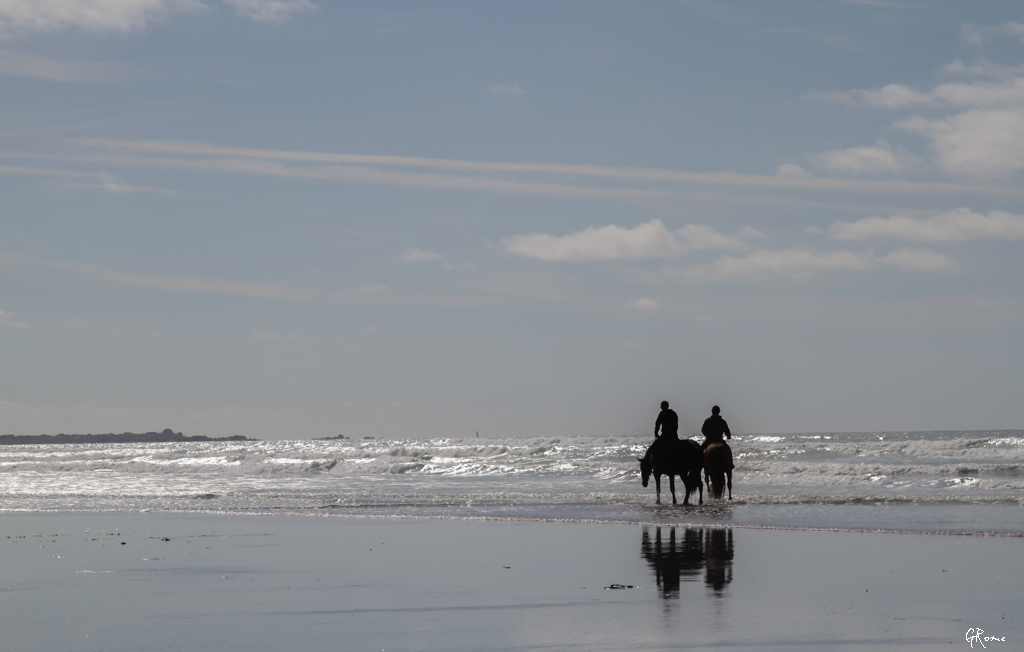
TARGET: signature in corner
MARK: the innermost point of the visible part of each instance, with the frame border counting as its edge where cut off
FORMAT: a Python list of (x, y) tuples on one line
[(977, 635)]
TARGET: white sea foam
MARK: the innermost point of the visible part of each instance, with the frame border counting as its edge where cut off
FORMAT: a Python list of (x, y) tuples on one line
[(554, 478)]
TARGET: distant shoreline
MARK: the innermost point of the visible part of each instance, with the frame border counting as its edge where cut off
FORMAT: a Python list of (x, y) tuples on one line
[(111, 438)]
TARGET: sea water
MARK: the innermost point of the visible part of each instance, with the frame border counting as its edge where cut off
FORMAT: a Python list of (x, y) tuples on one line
[(942, 482)]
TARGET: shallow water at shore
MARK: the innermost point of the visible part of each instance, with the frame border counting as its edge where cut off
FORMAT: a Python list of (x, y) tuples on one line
[(136, 581)]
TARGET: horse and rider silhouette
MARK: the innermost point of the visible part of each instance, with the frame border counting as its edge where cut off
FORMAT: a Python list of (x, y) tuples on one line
[(680, 554), (671, 456)]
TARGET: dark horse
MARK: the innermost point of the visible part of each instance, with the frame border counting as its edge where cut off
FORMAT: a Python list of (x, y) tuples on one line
[(718, 467), (672, 458)]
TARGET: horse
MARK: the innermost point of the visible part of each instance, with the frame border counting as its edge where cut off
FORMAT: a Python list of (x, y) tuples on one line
[(672, 458), (717, 468)]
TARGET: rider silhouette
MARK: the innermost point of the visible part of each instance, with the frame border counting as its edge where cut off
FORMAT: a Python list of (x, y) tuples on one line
[(713, 429), (668, 424)]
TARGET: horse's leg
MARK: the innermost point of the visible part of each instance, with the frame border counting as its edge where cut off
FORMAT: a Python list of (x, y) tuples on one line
[(700, 488), (657, 487), (672, 486), (728, 476)]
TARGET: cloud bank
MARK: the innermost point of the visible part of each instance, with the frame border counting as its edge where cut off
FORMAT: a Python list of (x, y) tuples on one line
[(975, 143), (982, 133), (33, 16), (650, 240), (23, 16), (861, 160), (363, 168), (800, 264), (271, 11), (644, 303), (419, 256), (954, 226)]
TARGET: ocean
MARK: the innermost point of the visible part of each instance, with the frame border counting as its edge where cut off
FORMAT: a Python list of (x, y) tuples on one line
[(955, 482)]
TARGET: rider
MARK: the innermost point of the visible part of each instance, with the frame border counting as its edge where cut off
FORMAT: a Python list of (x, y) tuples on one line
[(668, 423), (713, 429)]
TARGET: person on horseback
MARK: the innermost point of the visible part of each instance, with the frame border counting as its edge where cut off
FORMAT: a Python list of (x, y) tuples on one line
[(668, 425), (718, 463), (671, 456), (713, 429)]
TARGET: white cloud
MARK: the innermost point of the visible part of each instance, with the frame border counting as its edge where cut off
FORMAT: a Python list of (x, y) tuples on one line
[(644, 303), (373, 288), (861, 160), (917, 260), (112, 184), (25, 16), (699, 236), (985, 138), (957, 225), (28, 16), (419, 256), (976, 142), (981, 94), (84, 180), (750, 232), (650, 240), (1014, 29), (271, 11), (7, 320), (505, 89), (801, 264), (983, 68), (962, 94), (892, 96), (786, 263), (791, 170), (356, 168), (980, 34)]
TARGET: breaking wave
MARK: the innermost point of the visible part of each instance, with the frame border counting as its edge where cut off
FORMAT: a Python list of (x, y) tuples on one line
[(576, 478)]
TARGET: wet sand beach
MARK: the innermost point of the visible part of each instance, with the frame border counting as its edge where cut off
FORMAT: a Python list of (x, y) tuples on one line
[(158, 581)]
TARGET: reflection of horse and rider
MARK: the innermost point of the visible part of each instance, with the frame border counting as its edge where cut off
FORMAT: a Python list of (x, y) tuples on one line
[(682, 558), (671, 456)]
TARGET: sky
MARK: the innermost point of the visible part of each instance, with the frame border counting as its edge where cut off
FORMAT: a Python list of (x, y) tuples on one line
[(288, 219)]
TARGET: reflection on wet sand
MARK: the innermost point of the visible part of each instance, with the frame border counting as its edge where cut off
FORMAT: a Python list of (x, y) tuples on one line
[(681, 557)]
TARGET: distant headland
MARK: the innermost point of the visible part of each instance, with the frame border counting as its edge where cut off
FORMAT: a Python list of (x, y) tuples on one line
[(336, 438), (167, 435)]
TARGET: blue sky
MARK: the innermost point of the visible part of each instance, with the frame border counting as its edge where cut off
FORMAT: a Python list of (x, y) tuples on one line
[(301, 218)]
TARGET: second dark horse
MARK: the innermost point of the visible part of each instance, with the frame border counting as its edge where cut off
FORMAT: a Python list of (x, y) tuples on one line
[(718, 469), (682, 458)]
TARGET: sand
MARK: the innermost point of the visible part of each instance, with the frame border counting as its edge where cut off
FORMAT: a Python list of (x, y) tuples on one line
[(118, 581)]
